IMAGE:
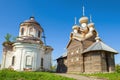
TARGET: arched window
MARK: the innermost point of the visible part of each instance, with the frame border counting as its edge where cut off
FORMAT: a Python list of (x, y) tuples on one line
[(13, 60), (22, 31), (38, 33), (31, 31), (41, 62)]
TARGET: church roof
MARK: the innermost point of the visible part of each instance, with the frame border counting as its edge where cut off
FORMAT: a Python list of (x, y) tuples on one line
[(99, 46), (64, 55), (31, 20)]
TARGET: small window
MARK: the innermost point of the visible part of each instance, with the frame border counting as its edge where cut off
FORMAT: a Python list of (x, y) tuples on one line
[(22, 31), (71, 53), (38, 33), (77, 51), (77, 59), (41, 62), (13, 60)]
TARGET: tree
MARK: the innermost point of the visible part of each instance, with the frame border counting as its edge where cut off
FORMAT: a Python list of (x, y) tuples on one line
[(7, 42), (53, 68), (7, 37)]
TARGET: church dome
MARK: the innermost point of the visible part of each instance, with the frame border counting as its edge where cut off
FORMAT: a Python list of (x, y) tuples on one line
[(97, 39), (91, 25), (31, 28), (75, 27), (32, 21), (83, 20)]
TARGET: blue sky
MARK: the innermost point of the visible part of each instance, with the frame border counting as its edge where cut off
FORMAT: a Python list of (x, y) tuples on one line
[(57, 19)]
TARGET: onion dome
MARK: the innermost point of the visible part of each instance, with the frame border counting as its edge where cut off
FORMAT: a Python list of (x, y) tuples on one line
[(85, 30), (83, 20), (75, 27), (97, 39), (91, 25)]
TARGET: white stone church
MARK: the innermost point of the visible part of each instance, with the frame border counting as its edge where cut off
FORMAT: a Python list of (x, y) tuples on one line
[(28, 52)]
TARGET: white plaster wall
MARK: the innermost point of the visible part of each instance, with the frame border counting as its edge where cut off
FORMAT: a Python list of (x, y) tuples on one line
[(23, 50), (39, 56), (47, 61), (17, 55), (8, 60), (3, 60)]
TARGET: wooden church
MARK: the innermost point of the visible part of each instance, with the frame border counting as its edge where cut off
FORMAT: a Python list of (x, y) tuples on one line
[(86, 52)]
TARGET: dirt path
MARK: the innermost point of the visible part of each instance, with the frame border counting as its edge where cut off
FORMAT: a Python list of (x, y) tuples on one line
[(77, 77)]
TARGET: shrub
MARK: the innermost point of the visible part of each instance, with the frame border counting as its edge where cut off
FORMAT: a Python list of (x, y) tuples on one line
[(117, 68)]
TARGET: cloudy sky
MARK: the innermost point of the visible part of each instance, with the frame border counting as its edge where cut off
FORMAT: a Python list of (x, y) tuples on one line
[(57, 19)]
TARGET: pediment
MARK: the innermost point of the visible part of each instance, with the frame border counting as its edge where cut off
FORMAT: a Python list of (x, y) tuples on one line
[(73, 42)]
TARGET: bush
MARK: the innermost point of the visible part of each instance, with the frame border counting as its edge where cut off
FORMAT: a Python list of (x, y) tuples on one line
[(117, 68)]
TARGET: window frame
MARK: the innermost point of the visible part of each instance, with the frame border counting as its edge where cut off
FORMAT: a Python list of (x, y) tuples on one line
[(39, 33), (13, 60), (30, 59), (22, 31)]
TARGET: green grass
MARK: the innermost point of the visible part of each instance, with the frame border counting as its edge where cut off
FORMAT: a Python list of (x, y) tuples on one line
[(107, 76), (13, 75)]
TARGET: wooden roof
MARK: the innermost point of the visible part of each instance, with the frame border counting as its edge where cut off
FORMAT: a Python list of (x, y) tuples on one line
[(63, 56), (99, 46)]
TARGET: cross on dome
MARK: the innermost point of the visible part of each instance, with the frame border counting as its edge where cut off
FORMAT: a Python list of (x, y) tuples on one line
[(83, 11), (75, 20), (90, 18)]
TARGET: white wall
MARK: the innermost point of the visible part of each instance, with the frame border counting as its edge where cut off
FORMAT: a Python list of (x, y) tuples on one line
[(21, 50), (47, 61)]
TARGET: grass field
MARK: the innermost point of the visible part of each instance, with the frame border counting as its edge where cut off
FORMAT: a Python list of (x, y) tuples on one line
[(13, 75), (107, 76)]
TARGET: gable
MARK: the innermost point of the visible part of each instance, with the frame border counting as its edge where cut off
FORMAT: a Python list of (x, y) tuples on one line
[(73, 43), (87, 43)]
